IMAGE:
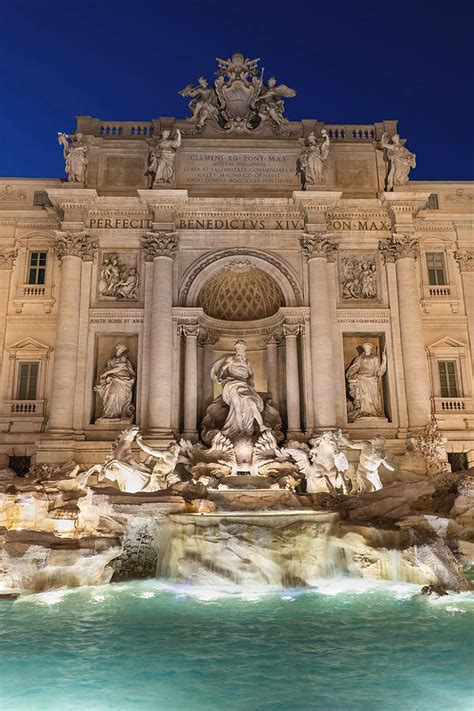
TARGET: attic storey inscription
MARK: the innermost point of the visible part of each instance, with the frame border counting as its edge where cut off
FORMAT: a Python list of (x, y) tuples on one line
[(237, 167)]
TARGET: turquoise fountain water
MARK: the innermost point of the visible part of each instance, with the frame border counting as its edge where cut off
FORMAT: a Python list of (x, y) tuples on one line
[(345, 645)]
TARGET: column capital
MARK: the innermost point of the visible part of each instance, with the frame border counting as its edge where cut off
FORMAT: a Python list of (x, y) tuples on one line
[(207, 338), (398, 247), (292, 329), (465, 260), (75, 244), (160, 244), (272, 338), (189, 330), (318, 245), (7, 258)]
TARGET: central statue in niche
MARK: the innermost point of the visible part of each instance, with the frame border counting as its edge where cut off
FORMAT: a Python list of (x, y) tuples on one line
[(235, 375)]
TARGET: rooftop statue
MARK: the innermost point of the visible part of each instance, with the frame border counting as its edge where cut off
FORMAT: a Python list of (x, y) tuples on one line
[(75, 156), (311, 159), (162, 156), (400, 160), (239, 99)]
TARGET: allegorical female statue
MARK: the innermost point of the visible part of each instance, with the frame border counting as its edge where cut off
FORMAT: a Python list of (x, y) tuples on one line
[(160, 168), (401, 160), (234, 373), (364, 378), (311, 159), (75, 155), (115, 385)]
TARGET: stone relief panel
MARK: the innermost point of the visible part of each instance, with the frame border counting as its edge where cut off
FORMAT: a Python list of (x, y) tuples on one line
[(359, 277), (115, 378), (118, 276)]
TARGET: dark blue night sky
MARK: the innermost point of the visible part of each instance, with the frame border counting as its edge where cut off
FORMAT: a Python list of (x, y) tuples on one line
[(349, 63)]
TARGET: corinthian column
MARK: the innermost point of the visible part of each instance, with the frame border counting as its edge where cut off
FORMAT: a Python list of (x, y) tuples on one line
[(465, 260), (209, 340), (160, 248), (291, 333), (318, 250), (272, 368), (72, 249), (403, 250), (7, 260), (190, 332)]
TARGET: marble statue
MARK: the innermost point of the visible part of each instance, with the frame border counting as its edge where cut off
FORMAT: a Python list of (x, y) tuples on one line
[(234, 373), (115, 386), (372, 456), (364, 379), (161, 158), (359, 277), (75, 156), (432, 446), (204, 102), (239, 99), (155, 474), (270, 103), (323, 464), (311, 159), (400, 159)]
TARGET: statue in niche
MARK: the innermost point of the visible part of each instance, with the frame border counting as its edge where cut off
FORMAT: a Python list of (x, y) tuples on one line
[(161, 159), (310, 161), (400, 159), (364, 379), (234, 373), (359, 278), (117, 280), (372, 456), (204, 103), (115, 386), (75, 156)]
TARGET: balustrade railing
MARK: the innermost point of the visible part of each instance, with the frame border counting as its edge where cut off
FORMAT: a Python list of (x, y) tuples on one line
[(453, 405), (24, 407)]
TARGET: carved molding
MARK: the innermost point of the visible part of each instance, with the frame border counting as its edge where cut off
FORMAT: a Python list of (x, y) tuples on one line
[(11, 194), (7, 258), (319, 245), (293, 329), (189, 330), (465, 260), (75, 244), (398, 247), (160, 244)]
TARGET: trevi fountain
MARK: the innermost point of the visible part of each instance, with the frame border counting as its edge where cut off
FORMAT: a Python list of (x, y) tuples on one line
[(256, 425)]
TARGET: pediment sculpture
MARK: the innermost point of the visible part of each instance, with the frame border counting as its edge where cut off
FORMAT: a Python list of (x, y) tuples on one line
[(239, 99)]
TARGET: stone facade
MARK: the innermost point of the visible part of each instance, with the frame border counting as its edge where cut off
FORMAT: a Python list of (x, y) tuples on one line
[(231, 247)]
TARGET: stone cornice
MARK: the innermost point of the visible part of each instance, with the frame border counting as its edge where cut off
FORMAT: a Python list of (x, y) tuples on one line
[(398, 247), (7, 258), (75, 244), (465, 260), (72, 199), (318, 246), (316, 200), (403, 202), (160, 244), (162, 199)]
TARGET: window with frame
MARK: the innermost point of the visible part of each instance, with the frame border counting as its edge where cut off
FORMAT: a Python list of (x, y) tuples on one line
[(448, 380), (436, 268), (41, 199), (27, 381), (37, 267)]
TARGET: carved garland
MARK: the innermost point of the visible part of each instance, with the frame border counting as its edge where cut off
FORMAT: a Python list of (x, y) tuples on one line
[(75, 244), (160, 244), (215, 256), (399, 246)]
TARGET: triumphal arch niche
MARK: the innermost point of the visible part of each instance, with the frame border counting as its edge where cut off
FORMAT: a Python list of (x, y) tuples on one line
[(184, 266)]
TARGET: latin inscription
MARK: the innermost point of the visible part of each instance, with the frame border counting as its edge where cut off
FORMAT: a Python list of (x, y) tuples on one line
[(120, 223), (239, 224), (368, 225), (237, 168)]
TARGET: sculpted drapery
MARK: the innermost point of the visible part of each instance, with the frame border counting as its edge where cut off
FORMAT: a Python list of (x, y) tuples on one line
[(115, 385), (234, 373), (364, 377)]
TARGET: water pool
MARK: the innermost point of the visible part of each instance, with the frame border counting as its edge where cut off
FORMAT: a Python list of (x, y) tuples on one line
[(346, 645)]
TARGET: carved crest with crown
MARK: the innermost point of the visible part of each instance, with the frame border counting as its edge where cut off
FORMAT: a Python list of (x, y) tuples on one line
[(239, 100)]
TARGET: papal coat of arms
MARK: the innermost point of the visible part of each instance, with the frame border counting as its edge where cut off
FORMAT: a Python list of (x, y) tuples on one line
[(239, 99)]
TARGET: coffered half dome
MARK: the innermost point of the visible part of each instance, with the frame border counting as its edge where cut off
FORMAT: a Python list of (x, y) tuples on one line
[(240, 292)]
